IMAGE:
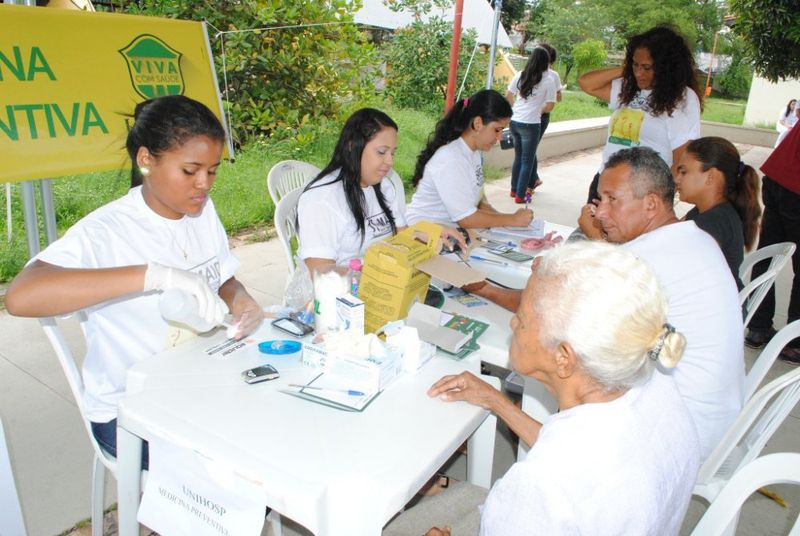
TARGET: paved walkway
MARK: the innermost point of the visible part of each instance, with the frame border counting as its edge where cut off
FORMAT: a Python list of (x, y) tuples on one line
[(52, 458)]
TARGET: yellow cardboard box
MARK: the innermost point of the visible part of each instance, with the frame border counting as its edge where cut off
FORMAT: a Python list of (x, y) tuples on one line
[(390, 280)]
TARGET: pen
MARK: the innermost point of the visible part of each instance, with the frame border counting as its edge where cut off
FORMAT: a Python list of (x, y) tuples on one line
[(491, 261), (350, 392)]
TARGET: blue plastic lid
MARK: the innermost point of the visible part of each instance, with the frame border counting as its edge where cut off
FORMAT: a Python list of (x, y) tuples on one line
[(279, 347)]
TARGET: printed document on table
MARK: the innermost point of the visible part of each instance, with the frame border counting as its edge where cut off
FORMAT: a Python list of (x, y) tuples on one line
[(533, 230), (332, 390)]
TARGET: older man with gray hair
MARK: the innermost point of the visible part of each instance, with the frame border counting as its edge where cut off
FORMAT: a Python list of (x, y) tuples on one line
[(636, 209)]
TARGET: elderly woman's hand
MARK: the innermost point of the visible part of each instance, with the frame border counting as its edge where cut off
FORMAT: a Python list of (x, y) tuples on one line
[(436, 531), (466, 386)]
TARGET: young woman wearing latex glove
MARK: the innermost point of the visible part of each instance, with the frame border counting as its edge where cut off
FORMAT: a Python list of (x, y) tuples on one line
[(114, 263)]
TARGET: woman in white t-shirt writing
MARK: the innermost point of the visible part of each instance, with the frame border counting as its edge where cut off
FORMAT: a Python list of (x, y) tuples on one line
[(449, 173), (349, 205), (113, 264), (531, 93), (654, 95)]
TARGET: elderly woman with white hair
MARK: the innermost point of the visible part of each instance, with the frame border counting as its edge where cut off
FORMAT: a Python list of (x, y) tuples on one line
[(621, 456)]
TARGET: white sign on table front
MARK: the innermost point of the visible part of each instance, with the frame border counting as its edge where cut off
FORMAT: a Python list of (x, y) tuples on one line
[(187, 493)]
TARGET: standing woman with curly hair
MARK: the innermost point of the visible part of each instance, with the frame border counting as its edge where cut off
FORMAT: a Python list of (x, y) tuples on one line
[(654, 96), (449, 173), (531, 93), (725, 194)]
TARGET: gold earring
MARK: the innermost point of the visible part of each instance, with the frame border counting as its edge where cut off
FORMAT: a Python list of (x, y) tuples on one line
[(144, 171)]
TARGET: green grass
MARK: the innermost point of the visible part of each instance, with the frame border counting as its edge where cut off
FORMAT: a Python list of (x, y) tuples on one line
[(724, 110), (240, 192), (578, 105)]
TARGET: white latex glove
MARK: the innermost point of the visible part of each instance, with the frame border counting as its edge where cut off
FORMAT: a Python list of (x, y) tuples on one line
[(210, 306)]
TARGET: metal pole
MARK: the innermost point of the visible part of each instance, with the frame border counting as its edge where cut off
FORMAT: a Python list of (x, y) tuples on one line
[(31, 222), (455, 44), (48, 209), (498, 6), (707, 92)]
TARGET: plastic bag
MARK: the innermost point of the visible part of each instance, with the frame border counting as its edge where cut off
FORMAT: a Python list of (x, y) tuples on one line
[(299, 290)]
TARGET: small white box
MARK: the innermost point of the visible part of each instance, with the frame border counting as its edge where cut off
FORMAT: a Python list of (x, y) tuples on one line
[(350, 313)]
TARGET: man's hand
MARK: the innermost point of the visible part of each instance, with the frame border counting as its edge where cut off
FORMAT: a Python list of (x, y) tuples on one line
[(588, 223)]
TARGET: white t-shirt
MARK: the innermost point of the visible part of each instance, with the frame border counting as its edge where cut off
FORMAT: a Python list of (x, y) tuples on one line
[(529, 109), (703, 304), (622, 467), (451, 186), (328, 229), (121, 332), (790, 119), (633, 125), (556, 79)]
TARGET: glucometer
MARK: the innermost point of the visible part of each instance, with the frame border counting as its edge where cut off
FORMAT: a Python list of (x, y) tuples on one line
[(260, 374)]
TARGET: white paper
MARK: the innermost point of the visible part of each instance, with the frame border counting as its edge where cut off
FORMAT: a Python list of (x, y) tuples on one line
[(534, 230), (187, 493)]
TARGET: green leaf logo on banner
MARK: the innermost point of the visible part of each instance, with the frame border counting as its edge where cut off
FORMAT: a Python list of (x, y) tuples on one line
[(154, 67)]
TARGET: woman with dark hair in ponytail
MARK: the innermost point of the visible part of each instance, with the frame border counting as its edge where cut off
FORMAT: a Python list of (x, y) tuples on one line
[(349, 205), (163, 234), (449, 173), (724, 191), (532, 93)]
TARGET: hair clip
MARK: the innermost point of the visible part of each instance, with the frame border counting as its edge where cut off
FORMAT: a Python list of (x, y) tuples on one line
[(656, 350)]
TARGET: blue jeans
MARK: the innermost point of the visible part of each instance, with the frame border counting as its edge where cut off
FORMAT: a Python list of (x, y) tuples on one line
[(523, 172), (106, 434)]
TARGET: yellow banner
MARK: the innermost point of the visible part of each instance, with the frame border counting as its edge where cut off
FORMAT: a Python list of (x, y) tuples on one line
[(69, 82)]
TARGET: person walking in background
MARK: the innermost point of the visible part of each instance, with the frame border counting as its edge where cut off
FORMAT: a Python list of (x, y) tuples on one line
[(724, 191), (553, 74), (531, 93), (654, 95), (780, 192)]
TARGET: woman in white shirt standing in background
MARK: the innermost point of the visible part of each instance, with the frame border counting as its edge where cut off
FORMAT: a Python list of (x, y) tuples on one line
[(449, 173), (531, 93), (787, 118)]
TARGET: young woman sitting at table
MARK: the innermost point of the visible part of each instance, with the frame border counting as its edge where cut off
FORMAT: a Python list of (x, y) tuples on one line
[(449, 174), (113, 264), (725, 194), (621, 455), (349, 205)]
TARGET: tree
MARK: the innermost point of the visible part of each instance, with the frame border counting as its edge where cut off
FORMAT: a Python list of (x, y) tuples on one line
[(566, 24), (771, 33), (589, 55), (417, 64), (279, 79), (736, 79)]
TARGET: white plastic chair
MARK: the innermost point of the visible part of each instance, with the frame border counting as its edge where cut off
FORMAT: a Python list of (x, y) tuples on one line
[(748, 434), (754, 291), (782, 468), (11, 521), (288, 175), (767, 357), (286, 223), (102, 459), (399, 189)]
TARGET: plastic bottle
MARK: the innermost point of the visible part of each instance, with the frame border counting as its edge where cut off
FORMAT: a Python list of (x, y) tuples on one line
[(354, 276), (181, 307)]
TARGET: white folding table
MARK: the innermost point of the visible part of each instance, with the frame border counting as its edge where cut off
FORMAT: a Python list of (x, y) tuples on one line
[(334, 472)]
